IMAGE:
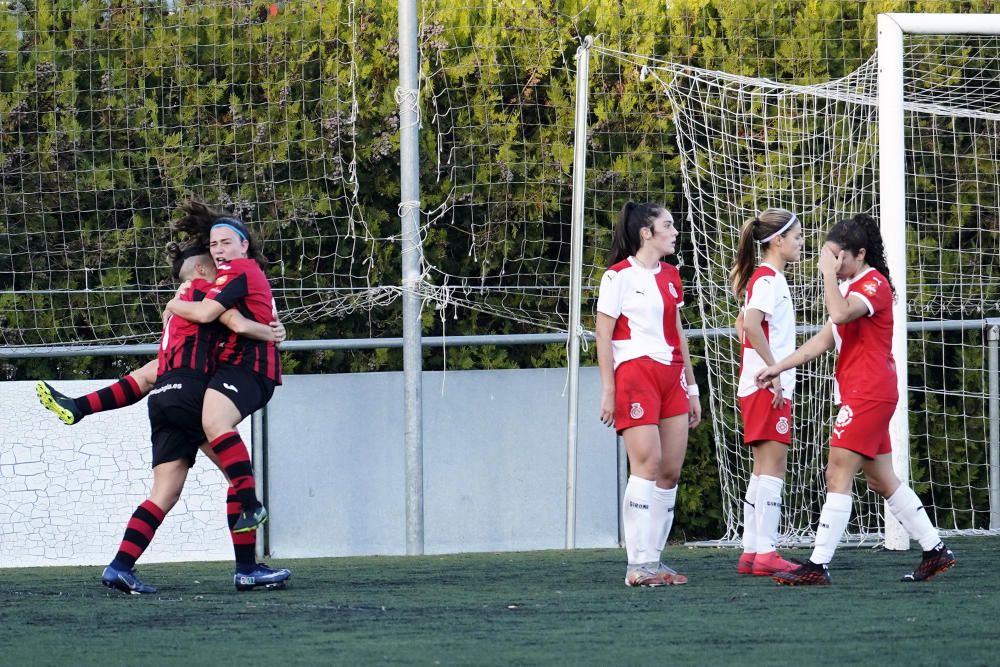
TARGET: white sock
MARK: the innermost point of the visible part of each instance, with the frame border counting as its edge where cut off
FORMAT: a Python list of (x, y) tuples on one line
[(749, 516), (768, 512), (663, 515), (905, 505), (832, 524), (637, 521)]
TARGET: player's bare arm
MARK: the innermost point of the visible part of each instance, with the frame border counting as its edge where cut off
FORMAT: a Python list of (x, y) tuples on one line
[(202, 312), (754, 330), (809, 350), (694, 400), (603, 330)]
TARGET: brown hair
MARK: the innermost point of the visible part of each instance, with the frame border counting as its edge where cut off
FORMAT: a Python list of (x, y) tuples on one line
[(764, 224), (198, 220)]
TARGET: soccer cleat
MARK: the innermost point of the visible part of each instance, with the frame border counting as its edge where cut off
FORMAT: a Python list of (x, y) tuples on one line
[(670, 576), (262, 577), (934, 562), (745, 564), (125, 581), (63, 406), (771, 563), (644, 575), (807, 574), (250, 520)]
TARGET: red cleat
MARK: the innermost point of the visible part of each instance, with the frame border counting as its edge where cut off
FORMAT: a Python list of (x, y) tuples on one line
[(771, 563), (745, 564)]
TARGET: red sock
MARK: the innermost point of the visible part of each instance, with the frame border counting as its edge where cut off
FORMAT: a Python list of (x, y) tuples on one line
[(121, 393), (138, 534), (235, 460), (244, 544)]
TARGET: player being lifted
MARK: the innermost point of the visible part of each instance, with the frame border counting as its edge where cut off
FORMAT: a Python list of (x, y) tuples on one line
[(648, 389), (767, 322), (186, 364), (865, 387)]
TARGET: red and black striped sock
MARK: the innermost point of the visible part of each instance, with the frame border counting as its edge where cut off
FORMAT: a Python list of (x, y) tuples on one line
[(235, 460), (244, 544), (121, 393), (138, 534)]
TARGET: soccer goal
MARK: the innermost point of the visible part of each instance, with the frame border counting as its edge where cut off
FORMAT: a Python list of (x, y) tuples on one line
[(911, 136)]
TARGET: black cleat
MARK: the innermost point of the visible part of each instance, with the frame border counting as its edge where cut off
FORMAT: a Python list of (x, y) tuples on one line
[(63, 406), (934, 562), (250, 520), (807, 574)]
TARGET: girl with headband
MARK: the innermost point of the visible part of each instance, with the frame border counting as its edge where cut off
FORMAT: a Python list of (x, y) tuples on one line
[(248, 370), (767, 325)]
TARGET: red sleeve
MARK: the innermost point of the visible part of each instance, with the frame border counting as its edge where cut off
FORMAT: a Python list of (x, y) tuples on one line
[(230, 286)]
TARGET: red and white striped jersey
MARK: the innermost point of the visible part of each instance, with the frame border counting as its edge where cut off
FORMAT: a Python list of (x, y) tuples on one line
[(644, 303), (768, 292)]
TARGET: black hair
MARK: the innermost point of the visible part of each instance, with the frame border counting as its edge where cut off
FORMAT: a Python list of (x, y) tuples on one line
[(859, 232), (198, 220), (627, 240), (178, 255)]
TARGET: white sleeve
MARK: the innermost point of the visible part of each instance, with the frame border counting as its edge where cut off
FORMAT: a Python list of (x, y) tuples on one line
[(761, 296), (609, 299)]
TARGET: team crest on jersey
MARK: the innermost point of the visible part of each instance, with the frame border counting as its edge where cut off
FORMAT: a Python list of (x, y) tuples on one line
[(845, 416), (782, 426), (220, 280), (673, 290), (636, 412), (870, 288)]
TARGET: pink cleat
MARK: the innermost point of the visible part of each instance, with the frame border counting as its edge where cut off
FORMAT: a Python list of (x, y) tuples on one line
[(771, 563), (745, 564)]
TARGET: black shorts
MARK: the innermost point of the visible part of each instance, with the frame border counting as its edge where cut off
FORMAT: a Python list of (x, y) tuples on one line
[(247, 390), (175, 416)]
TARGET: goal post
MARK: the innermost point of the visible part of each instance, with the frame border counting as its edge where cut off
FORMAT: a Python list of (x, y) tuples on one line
[(892, 201), (921, 158)]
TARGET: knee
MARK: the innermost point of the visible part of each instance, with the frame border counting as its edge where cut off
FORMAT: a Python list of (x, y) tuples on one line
[(668, 478), (837, 481)]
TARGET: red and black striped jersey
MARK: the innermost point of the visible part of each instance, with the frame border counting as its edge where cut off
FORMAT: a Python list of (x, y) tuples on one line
[(188, 345), (241, 284)]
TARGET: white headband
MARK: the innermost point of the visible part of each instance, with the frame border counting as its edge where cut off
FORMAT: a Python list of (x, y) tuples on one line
[(781, 231)]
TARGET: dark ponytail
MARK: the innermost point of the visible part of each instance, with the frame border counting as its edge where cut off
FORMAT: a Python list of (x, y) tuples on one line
[(178, 254), (767, 223), (627, 240), (859, 232), (198, 221)]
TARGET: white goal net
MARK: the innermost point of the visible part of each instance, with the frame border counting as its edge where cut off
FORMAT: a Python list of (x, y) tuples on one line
[(745, 144)]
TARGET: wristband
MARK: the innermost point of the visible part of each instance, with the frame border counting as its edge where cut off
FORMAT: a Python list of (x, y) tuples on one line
[(693, 390)]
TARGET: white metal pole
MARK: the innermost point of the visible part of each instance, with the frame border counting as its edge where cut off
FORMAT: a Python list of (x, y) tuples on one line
[(576, 280), (409, 211), (892, 217), (944, 24)]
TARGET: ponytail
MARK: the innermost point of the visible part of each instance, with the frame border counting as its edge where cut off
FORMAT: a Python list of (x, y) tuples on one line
[(626, 240), (757, 231)]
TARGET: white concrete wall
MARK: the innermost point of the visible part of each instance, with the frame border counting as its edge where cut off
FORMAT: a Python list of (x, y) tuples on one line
[(66, 492)]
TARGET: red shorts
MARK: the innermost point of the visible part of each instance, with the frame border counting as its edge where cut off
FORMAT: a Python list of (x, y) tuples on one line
[(863, 427), (762, 421), (647, 391)]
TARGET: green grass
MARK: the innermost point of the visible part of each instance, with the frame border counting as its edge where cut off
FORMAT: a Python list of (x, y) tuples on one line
[(552, 607)]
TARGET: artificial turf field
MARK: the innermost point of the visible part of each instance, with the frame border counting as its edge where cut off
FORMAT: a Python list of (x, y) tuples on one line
[(549, 607)]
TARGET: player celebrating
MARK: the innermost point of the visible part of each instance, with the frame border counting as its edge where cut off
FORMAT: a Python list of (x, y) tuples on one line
[(649, 393), (248, 370), (186, 361), (767, 321), (860, 327)]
